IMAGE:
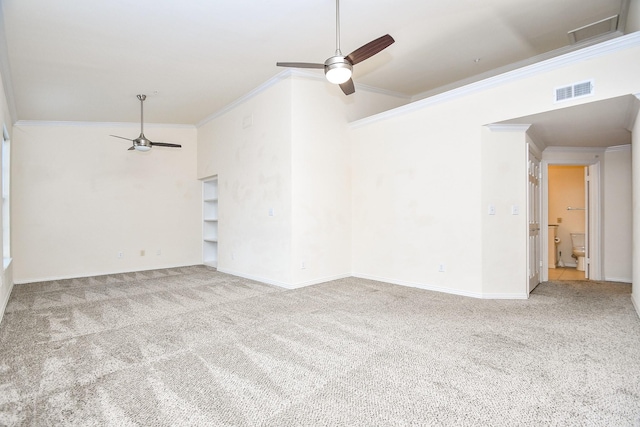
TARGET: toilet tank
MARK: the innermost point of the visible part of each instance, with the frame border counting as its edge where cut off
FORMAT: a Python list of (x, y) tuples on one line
[(577, 240)]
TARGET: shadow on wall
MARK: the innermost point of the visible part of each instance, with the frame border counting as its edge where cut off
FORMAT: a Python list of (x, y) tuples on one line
[(567, 190)]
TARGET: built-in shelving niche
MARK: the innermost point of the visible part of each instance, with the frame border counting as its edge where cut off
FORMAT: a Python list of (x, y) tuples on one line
[(210, 222)]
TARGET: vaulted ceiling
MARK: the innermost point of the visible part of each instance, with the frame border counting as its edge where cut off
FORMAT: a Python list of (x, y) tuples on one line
[(79, 60)]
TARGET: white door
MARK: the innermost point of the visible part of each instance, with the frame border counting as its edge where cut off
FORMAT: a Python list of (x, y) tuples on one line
[(587, 229), (533, 216)]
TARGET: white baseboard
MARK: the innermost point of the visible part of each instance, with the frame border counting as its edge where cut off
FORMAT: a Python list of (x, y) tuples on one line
[(452, 291), (104, 273), (284, 284), (618, 279), (5, 300), (636, 304)]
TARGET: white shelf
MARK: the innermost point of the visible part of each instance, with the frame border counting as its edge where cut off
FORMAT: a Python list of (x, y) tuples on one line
[(210, 222)]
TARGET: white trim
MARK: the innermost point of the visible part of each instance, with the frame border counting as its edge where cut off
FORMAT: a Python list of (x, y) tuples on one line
[(451, 291), (244, 98), (6, 262), (291, 72), (560, 149), (284, 284), (625, 147), (359, 86), (619, 279), (508, 127), (635, 305), (101, 124), (521, 64), (3, 304), (600, 49), (84, 275)]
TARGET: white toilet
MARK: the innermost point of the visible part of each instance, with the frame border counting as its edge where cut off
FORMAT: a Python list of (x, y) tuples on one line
[(577, 247)]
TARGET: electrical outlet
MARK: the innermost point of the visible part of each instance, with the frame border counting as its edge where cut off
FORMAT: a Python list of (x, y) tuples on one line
[(303, 265), (441, 268), (120, 254), (492, 210)]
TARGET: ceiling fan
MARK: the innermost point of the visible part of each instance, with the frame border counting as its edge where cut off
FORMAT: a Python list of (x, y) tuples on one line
[(141, 143), (338, 68)]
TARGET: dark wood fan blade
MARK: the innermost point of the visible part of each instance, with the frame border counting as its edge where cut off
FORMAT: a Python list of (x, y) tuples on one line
[(131, 148), (121, 137), (165, 144), (299, 65), (347, 87), (370, 49)]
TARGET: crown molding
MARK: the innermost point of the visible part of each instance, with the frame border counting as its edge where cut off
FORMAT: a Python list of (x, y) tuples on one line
[(53, 123), (562, 149), (625, 147), (292, 73), (244, 98), (593, 51), (508, 127)]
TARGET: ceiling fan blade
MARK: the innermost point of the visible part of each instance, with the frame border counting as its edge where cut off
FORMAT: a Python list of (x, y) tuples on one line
[(131, 148), (299, 65), (347, 87), (121, 137), (165, 144), (370, 49)]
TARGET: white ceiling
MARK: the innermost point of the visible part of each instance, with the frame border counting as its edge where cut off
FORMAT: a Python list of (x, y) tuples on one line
[(79, 60)]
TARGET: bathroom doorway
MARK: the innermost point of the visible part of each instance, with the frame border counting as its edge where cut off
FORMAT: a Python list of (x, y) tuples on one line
[(570, 211)]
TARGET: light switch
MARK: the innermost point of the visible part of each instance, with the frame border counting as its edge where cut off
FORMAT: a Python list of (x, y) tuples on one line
[(492, 210), (515, 210)]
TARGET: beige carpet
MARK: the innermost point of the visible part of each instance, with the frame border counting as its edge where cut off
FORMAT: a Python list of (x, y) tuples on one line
[(192, 346)]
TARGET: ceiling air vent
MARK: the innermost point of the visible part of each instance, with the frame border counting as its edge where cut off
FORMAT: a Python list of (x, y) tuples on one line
[(576, 90), (599, 28)]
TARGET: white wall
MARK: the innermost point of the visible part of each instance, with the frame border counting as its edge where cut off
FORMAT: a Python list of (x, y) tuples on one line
[(635, 159), (504, 186), (418, 174), (618, 217), (249, 148), (294, 158), (321, 181), (6, 278), (633, 17), (80, 197)]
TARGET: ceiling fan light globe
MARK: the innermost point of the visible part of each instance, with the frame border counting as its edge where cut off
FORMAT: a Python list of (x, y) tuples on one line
[(337, 69), (338, 75), (142, 148)]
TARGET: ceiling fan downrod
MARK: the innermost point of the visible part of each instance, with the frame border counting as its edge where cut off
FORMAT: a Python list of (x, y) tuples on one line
[(338, 52), (142, 98)]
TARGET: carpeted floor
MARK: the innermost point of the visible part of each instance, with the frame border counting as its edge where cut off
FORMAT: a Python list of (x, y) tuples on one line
[(191, 346)]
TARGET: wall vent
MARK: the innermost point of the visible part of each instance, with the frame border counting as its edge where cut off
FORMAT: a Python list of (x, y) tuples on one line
[(576, 90)]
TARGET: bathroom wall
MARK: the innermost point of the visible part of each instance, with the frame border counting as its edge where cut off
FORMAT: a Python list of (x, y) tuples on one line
[(566, 188)]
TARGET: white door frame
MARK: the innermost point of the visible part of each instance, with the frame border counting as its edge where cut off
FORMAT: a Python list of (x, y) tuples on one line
[(534, 211), (594, 232)]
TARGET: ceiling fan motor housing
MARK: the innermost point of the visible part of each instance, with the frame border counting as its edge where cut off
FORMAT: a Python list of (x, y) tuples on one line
[(338, 69)]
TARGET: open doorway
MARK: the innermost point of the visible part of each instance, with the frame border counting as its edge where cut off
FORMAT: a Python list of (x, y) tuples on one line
[(567, 212)]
